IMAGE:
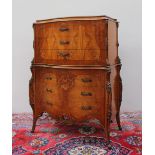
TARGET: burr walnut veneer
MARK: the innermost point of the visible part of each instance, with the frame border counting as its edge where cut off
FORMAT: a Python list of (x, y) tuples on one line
[(76, 69)]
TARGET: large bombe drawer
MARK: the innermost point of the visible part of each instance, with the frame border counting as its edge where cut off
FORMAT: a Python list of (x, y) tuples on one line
[(79, 93)]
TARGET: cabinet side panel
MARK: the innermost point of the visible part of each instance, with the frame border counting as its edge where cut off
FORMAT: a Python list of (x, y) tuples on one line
[(112, 78), (112, 42)]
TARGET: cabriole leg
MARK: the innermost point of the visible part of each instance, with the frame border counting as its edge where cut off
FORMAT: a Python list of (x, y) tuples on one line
[(118, 119), (34, 124), (118, 93)]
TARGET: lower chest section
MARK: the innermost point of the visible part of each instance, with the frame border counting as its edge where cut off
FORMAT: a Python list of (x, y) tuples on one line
[(76, 93)]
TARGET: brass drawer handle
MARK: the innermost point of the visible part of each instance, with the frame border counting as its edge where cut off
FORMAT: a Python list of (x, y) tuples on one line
[(86, 93), (86, 80), (62, 29), (64, 42), (86, 107), (49, 103), (48, 78), (108, 87), (49, 90), (64, 54)]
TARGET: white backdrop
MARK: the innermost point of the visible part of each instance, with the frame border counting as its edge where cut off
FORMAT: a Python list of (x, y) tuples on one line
[(128, 12)]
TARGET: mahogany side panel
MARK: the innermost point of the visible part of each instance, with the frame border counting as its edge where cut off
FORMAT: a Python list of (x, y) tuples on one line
[(112, 42)]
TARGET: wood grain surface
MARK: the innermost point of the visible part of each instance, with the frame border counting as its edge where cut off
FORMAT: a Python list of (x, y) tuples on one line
[(76, 69)]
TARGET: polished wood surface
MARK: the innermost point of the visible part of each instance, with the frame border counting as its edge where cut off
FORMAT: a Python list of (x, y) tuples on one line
[(76, 69), (76, 42)]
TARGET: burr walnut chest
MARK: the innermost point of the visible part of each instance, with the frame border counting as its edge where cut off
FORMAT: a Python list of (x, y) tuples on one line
[(76, 69)]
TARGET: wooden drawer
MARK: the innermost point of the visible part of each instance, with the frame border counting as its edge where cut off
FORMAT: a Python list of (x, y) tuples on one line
[(50, 76), (90, 94), (66, 29), (47, 93), (71, 57), (54, 108), (57, 30), (46, 78), (87, 80), (65, 55), (62, 43), (81, 110), (49, 79), (70, 54)]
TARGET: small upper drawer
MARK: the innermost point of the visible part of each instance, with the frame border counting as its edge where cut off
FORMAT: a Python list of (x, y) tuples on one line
[(66, 29), (58, 29), (61, 43)]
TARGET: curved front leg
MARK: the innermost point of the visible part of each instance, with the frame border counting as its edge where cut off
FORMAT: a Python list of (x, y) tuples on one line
[(36, 114), (118, 93), (31, 98), (34, 122), (108, 100)]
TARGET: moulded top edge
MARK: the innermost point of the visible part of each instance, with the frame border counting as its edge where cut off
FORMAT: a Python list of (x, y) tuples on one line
[(76, 18)]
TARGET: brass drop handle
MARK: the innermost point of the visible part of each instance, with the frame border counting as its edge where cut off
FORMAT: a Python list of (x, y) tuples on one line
[(49, 103), (49, 90), (86, 80), (108, 87), (86, 93), (64, 42), (62, 29), (86, 107), (48, 78), (64, 54)]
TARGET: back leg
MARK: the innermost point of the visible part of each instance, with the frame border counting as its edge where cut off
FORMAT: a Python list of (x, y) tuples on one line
[(118, 120), (34, 124)]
